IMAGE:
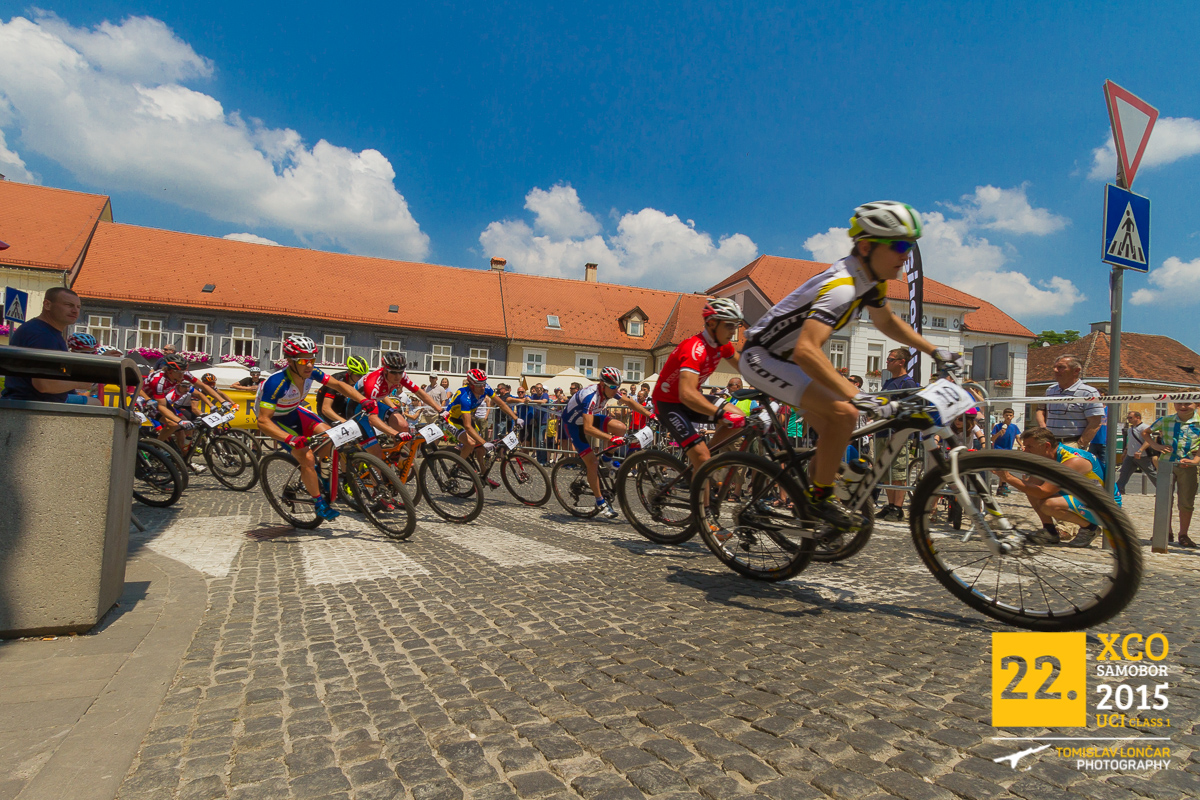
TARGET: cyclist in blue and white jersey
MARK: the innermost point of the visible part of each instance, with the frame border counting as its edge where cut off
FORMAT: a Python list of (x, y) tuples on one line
[(460, 412), (583, 417), (283, 417)]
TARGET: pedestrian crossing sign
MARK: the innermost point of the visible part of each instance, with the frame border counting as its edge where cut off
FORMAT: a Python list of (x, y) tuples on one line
[(15, 304), (1126, 229)]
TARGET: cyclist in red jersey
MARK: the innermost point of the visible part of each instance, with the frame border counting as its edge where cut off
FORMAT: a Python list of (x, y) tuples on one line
[(391, 375), (157, 385), (678, 402)]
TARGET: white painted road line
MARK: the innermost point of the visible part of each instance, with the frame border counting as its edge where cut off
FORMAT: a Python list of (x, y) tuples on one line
[(507, 549), (206, 544)]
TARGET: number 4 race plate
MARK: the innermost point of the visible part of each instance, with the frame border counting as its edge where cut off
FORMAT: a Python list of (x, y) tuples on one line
[(344, 434), (1039, 680)]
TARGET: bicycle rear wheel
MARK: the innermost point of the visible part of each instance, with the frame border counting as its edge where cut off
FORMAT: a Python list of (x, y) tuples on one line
[(654, 490), (525, 479), (156, 480), (171, 453), (1038, 584), (452, 487), (569, 478), (385, 501), (281, 483), (756, 535), (231, 463)]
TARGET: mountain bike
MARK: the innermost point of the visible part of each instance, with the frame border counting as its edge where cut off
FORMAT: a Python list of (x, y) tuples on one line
[(380, 495), (654, 485), (157, 480), (524, 478), (230, 462), (570, 481), (450, 485), (1001, 563)]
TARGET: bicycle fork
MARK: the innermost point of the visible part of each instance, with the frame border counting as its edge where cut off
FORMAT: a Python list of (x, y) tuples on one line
[(994, 543)]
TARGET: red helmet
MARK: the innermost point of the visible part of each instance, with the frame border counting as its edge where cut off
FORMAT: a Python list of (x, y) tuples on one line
[(476, 377), (298, 347), (209, 379), (610, 376)]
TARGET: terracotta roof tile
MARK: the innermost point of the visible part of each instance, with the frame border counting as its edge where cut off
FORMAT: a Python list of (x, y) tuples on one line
[(685, 320), (1144, 357), (588, 312), (776, 277), (135, 264), (47, 228)]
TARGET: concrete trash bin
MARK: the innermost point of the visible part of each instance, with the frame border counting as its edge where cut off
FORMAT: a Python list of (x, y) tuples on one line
[(66, 491)]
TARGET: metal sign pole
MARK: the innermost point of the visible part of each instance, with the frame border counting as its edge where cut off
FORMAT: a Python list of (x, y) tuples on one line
[(1114, 377)]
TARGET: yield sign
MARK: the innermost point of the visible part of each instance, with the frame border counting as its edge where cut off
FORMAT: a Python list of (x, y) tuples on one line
[(1132, 120)]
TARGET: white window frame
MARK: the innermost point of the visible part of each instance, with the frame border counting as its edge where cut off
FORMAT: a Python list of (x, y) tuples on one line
[(875, 358), (591, 371), (477, 358), (442, 358), (1160, 411), (242, 341), (385, 346), (152, 330), (635, 327), (640, 371), (102, 327), (937, 322), (334, 344), (196, 333), (526, 363), (839, 353)]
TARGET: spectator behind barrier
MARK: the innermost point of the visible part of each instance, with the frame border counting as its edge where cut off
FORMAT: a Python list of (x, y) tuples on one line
[(60, 309)]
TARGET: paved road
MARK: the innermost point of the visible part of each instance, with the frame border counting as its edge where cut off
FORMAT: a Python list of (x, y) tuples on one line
[(533, 655)]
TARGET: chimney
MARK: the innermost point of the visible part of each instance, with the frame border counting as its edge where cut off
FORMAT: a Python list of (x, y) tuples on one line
[(498, 264), (589, 273), (1102, 327)]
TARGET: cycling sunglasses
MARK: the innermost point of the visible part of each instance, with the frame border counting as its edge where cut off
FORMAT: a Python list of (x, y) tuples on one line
[(304, 362), (900, 246)]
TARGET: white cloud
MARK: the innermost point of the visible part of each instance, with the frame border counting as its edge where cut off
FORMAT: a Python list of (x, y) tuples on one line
[(649, 248), (1176, 282), (1007, 210), (953, 254), (250, 237), (108, 105), (1172, 139), (12, 167)]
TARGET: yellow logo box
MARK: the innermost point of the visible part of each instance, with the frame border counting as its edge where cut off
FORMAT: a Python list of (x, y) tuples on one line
[(1039, 680)]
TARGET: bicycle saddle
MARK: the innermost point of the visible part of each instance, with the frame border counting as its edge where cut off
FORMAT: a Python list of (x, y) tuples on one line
[(749, 394)]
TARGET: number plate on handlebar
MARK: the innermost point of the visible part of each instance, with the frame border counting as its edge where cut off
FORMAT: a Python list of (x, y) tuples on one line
[(948, 398), (511, 441), (345, 433), (216, 418), (645, 437), (141, 418), (431, 433)]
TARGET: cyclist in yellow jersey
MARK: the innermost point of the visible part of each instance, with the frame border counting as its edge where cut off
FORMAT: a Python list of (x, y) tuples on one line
[(1049, 501)]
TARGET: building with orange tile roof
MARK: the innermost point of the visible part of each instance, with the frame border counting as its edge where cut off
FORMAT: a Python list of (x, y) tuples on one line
[(47, 232)]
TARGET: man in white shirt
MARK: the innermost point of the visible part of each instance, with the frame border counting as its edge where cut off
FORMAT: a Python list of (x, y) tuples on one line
[(1137, 452), (1072, 423)]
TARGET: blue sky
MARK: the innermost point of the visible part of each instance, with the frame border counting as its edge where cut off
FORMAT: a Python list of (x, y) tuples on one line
[(669, 142)]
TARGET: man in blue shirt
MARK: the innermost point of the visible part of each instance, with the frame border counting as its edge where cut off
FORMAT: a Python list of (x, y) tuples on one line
[(1004, 435), (897, 365), (60, 309)]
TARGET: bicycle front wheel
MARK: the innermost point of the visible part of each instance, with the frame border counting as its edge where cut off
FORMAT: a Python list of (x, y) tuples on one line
[(761, 534), (525, 479), (156, 478), (570, 481), (171, 453), (1035, 583), (231, 463), (385, 501), (452, 487), (281, 483), (653, 488)]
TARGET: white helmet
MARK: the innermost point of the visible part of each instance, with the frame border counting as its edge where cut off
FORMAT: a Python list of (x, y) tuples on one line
[(885, 219), (722, 308)]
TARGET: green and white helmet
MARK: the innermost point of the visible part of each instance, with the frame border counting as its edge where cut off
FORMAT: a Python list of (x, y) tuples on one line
[(885, 219)]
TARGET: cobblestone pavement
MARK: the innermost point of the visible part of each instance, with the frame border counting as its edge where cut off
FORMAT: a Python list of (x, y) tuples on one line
[(533, 655)]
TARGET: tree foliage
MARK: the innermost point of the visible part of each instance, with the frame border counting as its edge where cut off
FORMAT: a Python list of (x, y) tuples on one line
[(1054, 337)]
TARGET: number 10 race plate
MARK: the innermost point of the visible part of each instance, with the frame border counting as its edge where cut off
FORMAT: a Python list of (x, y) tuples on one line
[(948, 398)]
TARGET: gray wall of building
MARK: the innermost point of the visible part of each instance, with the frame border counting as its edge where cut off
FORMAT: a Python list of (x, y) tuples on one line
[(361, 339)]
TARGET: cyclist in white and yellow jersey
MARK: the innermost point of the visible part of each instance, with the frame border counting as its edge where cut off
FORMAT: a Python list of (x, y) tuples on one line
[(783, 354)]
